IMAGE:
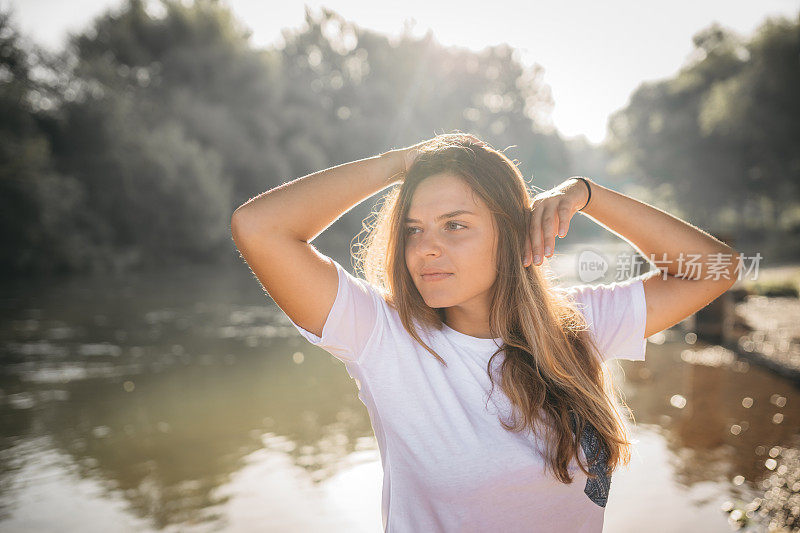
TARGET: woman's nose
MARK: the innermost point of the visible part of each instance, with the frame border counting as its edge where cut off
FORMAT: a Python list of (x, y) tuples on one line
[(429, 245)]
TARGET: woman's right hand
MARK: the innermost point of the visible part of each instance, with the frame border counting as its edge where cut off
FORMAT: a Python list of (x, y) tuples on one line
[(411, 153)]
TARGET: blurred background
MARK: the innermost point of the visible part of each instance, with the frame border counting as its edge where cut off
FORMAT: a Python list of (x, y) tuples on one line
[(147, 383)]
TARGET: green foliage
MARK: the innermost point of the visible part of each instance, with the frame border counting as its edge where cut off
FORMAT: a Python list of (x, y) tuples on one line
[(37, 205), (160, 125), (134, 145), (723, 133)]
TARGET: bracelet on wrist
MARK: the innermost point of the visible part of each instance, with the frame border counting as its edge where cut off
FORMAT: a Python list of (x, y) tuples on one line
[(590, 192)]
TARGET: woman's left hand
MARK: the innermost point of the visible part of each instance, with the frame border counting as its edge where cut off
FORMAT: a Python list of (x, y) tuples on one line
[(549, 214)]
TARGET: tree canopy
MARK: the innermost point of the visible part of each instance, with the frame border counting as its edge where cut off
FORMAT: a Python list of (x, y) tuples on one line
[(131, 147)]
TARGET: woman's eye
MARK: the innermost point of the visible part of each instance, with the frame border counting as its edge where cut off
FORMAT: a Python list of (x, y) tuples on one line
[(410, 229)]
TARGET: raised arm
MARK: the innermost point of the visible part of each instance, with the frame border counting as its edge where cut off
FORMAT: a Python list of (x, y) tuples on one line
[(656, 235), (273, 231)]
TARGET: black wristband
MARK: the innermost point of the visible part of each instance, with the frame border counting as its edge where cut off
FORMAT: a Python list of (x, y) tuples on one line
[(590, 191)]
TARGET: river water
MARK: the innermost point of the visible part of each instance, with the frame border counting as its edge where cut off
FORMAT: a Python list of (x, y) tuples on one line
[(185, 401)]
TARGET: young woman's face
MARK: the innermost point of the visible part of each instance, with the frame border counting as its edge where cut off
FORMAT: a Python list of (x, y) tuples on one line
[(463, 245)]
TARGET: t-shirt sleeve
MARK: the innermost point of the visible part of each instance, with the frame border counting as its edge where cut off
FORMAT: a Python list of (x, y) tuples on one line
[(616, 314), (354, 319)]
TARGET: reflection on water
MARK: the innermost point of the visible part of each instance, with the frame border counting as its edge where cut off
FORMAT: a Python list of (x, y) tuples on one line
[(186, 401), (719, 422)]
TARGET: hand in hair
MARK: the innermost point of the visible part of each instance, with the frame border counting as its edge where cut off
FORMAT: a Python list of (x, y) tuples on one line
[(549, 215), (411, 153)]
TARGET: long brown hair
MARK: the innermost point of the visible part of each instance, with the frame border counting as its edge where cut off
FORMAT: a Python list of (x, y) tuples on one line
[(564, 372)]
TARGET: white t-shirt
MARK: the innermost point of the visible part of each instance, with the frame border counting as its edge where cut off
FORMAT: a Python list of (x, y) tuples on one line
[(448, 464)]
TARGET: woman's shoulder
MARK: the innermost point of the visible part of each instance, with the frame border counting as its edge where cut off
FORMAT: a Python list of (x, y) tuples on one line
[(615, 313)]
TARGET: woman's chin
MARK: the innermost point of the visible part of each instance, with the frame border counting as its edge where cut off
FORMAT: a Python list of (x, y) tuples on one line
[(438, 302)]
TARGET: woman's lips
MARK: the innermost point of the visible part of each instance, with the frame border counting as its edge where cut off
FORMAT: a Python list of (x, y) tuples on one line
[(435, 277)]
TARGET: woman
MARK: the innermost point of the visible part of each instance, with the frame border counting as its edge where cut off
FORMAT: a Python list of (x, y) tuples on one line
[(458, 301)]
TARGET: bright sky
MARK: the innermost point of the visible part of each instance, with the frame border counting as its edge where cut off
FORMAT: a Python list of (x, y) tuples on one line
[(594, 54)]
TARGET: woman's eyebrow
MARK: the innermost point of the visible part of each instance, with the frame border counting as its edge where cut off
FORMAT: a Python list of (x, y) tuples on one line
[(451, 214)]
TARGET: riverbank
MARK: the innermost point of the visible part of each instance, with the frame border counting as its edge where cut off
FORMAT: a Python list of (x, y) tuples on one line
[(765, 327), (768, 333)]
